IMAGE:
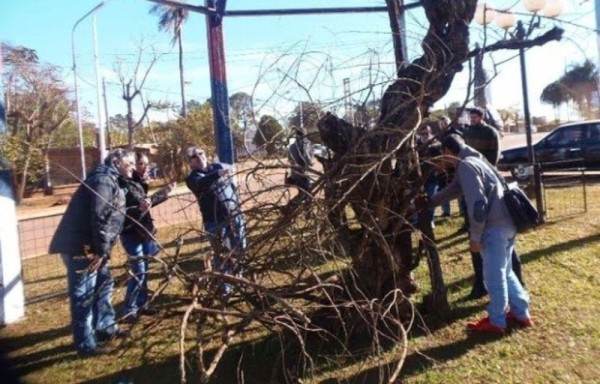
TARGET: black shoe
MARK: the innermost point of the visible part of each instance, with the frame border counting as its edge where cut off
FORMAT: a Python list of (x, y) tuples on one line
[(148, 311), (118, 334), (476, 294)]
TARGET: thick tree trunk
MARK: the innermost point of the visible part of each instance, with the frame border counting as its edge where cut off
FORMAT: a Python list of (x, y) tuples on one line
[(377, 171)]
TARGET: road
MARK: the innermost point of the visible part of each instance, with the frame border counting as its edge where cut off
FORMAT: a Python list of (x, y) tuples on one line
[(512, 140)]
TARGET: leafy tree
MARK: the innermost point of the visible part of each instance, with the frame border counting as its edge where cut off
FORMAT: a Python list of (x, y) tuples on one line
[(67, 136), (307, 114), (270, 134), (171, 19), (175, 136), (578, 84), (37, 104)]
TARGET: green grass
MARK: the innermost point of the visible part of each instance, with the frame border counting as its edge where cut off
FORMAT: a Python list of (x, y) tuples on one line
[(561, 269)]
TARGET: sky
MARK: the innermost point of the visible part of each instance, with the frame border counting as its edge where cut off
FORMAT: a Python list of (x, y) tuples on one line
[(270, 57)]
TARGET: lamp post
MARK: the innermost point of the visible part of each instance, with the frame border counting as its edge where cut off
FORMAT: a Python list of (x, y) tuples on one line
[(79, 124), (505, 19)]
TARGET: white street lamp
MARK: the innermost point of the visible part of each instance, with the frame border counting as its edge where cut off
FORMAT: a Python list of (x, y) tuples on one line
[(506, 20), (484, 14), (534, 5), (101, 129)]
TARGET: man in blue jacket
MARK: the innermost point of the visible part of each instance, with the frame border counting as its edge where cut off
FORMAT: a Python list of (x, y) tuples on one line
[(221, 211), (85, 238)]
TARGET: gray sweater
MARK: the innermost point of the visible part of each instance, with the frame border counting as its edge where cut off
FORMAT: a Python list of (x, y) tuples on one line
[(483, 193)]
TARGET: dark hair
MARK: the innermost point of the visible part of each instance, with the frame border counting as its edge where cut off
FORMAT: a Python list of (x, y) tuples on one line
[(477, 111), (454, 143), (139, 156)]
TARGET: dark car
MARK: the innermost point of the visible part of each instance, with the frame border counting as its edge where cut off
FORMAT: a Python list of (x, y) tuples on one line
[(569, 146)]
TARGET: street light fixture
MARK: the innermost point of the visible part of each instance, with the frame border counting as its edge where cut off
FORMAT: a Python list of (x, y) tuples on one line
[(505, 19), (101, 129)]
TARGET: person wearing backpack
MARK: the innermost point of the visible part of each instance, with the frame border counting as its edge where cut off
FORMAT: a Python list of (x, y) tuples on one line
[(492, 233)]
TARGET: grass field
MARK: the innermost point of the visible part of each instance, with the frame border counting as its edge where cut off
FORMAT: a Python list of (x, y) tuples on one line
[(561, 269)]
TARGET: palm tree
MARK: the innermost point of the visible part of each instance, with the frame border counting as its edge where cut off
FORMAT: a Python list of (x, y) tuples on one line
[(171, 19)]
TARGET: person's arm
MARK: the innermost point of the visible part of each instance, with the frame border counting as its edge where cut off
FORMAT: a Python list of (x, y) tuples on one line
[(197, 182), (102, 208), (162, 194), (451, 192), (475, 198)]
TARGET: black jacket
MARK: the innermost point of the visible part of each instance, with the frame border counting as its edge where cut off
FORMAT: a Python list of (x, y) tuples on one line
[(137, 192), (217, 198), (94, 217)]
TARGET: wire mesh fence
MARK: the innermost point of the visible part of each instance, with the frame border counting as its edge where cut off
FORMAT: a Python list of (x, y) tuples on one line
[(565, 193), (177, 220)]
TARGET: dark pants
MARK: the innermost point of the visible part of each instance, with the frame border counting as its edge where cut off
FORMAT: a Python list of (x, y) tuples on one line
[(478, 285)]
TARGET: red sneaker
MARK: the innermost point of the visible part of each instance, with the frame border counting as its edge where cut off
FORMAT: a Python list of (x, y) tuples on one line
[(523, 323), (484, 325)]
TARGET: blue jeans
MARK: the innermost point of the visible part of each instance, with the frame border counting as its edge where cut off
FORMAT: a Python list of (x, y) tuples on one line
[(90, 296), (138, 250), (505, 290), (228, 242)]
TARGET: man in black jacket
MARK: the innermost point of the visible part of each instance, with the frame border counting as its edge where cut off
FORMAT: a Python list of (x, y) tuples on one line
[(137, 237), (221, 212), (84, 238)]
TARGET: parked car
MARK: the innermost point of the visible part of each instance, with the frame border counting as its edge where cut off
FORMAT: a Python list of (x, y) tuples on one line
[(568, 146)]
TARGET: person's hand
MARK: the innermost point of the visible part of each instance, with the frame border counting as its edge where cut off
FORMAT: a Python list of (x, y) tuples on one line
[(223, 172), (95, 263), (145, 205), (474, 246)]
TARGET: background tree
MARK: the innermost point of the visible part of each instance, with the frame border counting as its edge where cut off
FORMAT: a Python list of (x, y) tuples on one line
[(175, 136), (269, 134), (37, 104), (132, 84), (579, 84), (172, 19)]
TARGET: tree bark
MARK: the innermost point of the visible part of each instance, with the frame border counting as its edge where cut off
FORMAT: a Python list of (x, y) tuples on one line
[(378, 170)]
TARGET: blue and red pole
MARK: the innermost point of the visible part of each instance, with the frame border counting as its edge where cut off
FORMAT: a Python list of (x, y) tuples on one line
[(218, 81)]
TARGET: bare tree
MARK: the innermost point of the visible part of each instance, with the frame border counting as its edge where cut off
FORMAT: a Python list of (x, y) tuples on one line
[(132, 83), (331, 269), (37, 105)]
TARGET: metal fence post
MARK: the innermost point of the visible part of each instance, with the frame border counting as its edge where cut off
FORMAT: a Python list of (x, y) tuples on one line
[(539, 194)]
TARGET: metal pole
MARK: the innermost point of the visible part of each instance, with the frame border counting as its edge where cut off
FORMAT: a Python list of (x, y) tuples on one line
[(79, 124), (535, 177), (107, 119), (101, 129), (218, 83)]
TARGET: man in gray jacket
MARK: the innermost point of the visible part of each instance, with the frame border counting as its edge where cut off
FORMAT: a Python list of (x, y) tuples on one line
[(85, 238), (492, 233)]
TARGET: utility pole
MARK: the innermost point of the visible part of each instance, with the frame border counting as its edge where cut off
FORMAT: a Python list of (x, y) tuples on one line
[(396, 12), (107, 119), (348, 101), (218, 81), (101, 128)]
